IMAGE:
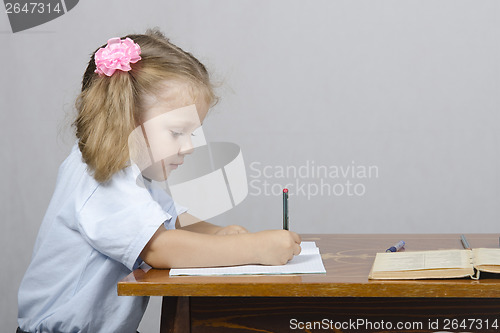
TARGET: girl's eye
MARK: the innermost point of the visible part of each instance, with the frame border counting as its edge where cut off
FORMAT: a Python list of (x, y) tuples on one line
[(176, 134)]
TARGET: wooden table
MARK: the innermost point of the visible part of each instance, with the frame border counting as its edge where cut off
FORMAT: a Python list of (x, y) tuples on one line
[(342, 300)]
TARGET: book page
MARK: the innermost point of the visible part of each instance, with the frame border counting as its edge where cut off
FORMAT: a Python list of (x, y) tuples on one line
[(483, 256), (422, 260), (308, 261)]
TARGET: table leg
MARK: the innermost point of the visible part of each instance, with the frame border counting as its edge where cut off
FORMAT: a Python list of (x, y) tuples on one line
[(175, 317)]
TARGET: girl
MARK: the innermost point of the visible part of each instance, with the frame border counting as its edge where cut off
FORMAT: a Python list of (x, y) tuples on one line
[(100, 225)]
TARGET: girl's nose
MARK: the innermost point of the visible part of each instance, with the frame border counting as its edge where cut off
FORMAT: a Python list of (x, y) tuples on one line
[(187, 147)]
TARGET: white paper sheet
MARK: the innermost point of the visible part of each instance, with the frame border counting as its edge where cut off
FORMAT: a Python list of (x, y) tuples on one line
[(307, 262)]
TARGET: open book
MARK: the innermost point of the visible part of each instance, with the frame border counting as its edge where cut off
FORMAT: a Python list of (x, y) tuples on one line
[(440, 264), (307, 262)]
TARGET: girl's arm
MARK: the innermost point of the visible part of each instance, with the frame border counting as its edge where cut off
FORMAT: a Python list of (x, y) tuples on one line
[(182, 248), (188, 222)]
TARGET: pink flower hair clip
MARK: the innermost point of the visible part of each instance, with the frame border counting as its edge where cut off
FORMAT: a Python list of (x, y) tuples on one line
[(118, 54)]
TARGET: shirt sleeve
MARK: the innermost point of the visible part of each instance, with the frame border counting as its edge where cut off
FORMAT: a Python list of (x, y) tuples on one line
[(167, 203), (120, 217)]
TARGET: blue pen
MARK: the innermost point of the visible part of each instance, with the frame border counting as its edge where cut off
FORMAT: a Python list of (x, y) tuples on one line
[(465, 243), (396, 247)]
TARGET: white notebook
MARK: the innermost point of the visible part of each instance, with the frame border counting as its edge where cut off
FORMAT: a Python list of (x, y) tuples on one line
[(307, 262)]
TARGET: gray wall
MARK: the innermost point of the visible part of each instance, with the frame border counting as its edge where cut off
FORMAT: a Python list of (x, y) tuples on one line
[(408, 88)]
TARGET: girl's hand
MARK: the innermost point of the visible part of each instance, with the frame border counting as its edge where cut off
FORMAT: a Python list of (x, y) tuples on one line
[(231, 230), (276, 247)]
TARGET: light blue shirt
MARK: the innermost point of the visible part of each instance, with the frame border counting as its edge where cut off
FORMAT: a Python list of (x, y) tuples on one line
[(91, 238)]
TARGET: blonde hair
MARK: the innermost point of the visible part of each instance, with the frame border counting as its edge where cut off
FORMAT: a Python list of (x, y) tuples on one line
[(109, 108)]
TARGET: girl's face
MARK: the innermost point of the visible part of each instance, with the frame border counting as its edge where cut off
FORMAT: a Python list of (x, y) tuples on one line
[(166, 131)]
